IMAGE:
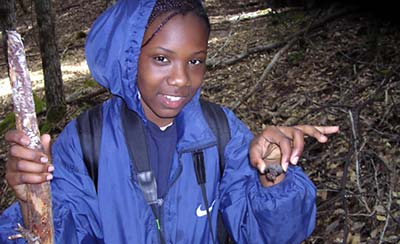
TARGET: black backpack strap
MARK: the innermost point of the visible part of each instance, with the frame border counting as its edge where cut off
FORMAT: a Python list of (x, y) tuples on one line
[(89, 127), (135, 138), (217, 121)]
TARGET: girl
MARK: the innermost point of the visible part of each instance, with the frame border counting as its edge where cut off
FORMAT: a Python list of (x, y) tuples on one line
[(151, 56)]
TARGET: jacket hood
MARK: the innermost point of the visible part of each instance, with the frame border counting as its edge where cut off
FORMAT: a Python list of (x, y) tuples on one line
[(113, 47)]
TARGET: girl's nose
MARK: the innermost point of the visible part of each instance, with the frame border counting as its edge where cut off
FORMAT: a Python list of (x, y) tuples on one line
[(179, 76)]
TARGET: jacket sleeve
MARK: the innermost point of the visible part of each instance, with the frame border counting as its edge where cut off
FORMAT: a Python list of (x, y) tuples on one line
[(75, 208), (283, 213)]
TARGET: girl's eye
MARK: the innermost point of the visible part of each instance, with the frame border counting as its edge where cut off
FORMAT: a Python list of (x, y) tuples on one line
[(161, 59), (195, 61)]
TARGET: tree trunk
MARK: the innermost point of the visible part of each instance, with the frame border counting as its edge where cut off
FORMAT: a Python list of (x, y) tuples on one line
[(50, 61), (23, 6), (7, 21), (7, 15)]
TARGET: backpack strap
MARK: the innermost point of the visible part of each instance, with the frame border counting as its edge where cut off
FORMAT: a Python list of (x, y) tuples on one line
[(135, 138), (217, 121), (89, 127)]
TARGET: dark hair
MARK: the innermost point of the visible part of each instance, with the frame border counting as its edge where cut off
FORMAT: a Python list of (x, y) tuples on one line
[(175, 7)]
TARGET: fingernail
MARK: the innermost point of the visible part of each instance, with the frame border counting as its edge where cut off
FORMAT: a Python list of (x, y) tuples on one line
[(44, 159), (261, 168), (294, 160), (49, 177), (285, 166), (50, 168)]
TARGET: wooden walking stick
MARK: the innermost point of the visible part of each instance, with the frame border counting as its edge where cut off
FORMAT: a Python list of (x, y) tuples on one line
[(38, 219)]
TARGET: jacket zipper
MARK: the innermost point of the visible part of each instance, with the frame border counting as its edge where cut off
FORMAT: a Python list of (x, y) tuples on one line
[(160, 218)]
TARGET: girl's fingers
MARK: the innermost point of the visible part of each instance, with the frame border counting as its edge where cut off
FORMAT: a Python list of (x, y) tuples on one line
[(318, 132), (29, 167), (256, 153), (24, 153), (297, 133), (46, 143), (285, 146), (17, 137), (298, 145), (274, 135), (15, 179), (290, 141), (327, 129)]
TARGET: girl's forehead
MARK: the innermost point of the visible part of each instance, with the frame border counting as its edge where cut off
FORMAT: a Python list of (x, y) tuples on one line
[(176, 25), (183, 6)]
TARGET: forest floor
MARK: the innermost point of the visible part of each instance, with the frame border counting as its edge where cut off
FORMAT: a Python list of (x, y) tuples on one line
[(330, 66)]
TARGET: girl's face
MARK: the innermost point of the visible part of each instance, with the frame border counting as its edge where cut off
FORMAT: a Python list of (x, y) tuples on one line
[(172, 66)]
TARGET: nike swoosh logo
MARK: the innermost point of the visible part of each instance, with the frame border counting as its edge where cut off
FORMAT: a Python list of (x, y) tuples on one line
[(201, 213)]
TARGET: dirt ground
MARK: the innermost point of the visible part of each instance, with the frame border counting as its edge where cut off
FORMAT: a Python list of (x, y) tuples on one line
[(335, 65)]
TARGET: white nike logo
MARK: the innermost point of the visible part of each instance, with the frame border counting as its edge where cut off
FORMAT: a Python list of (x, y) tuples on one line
[(201, 213)]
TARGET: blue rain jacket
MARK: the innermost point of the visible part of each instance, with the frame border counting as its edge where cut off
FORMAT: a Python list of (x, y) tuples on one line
[(118, 213)]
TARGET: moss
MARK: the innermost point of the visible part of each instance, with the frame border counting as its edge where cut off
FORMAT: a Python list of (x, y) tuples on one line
[(45, 127), (56, 113), (40, 104), (8, 123), (295, 58), (90, 83)]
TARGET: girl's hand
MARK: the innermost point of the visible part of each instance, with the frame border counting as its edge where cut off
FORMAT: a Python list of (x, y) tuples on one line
[(25, 165), (284, 145)]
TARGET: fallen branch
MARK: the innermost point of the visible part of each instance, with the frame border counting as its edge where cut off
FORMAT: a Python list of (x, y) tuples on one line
[(343, 184), (264, 75), (354, 129), (90, 95), (213, 63)]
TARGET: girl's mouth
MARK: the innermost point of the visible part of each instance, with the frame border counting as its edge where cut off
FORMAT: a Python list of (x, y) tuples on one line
[(172, 102)]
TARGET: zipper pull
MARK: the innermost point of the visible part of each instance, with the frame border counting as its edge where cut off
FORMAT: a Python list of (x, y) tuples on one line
[(158, 224)]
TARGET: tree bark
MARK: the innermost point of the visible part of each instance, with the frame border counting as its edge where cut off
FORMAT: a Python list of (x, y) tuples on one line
[(7, 15), (37, 210), (23, 6), (7, 21), (55, 98)]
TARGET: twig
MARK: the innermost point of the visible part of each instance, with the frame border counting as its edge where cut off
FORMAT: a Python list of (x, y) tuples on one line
[(228, 39), (343, 184), (389, 205), (74, 99), (213, 63), (263, 48), (26, 234), (357, 152), (264, 75), (369, 215)]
